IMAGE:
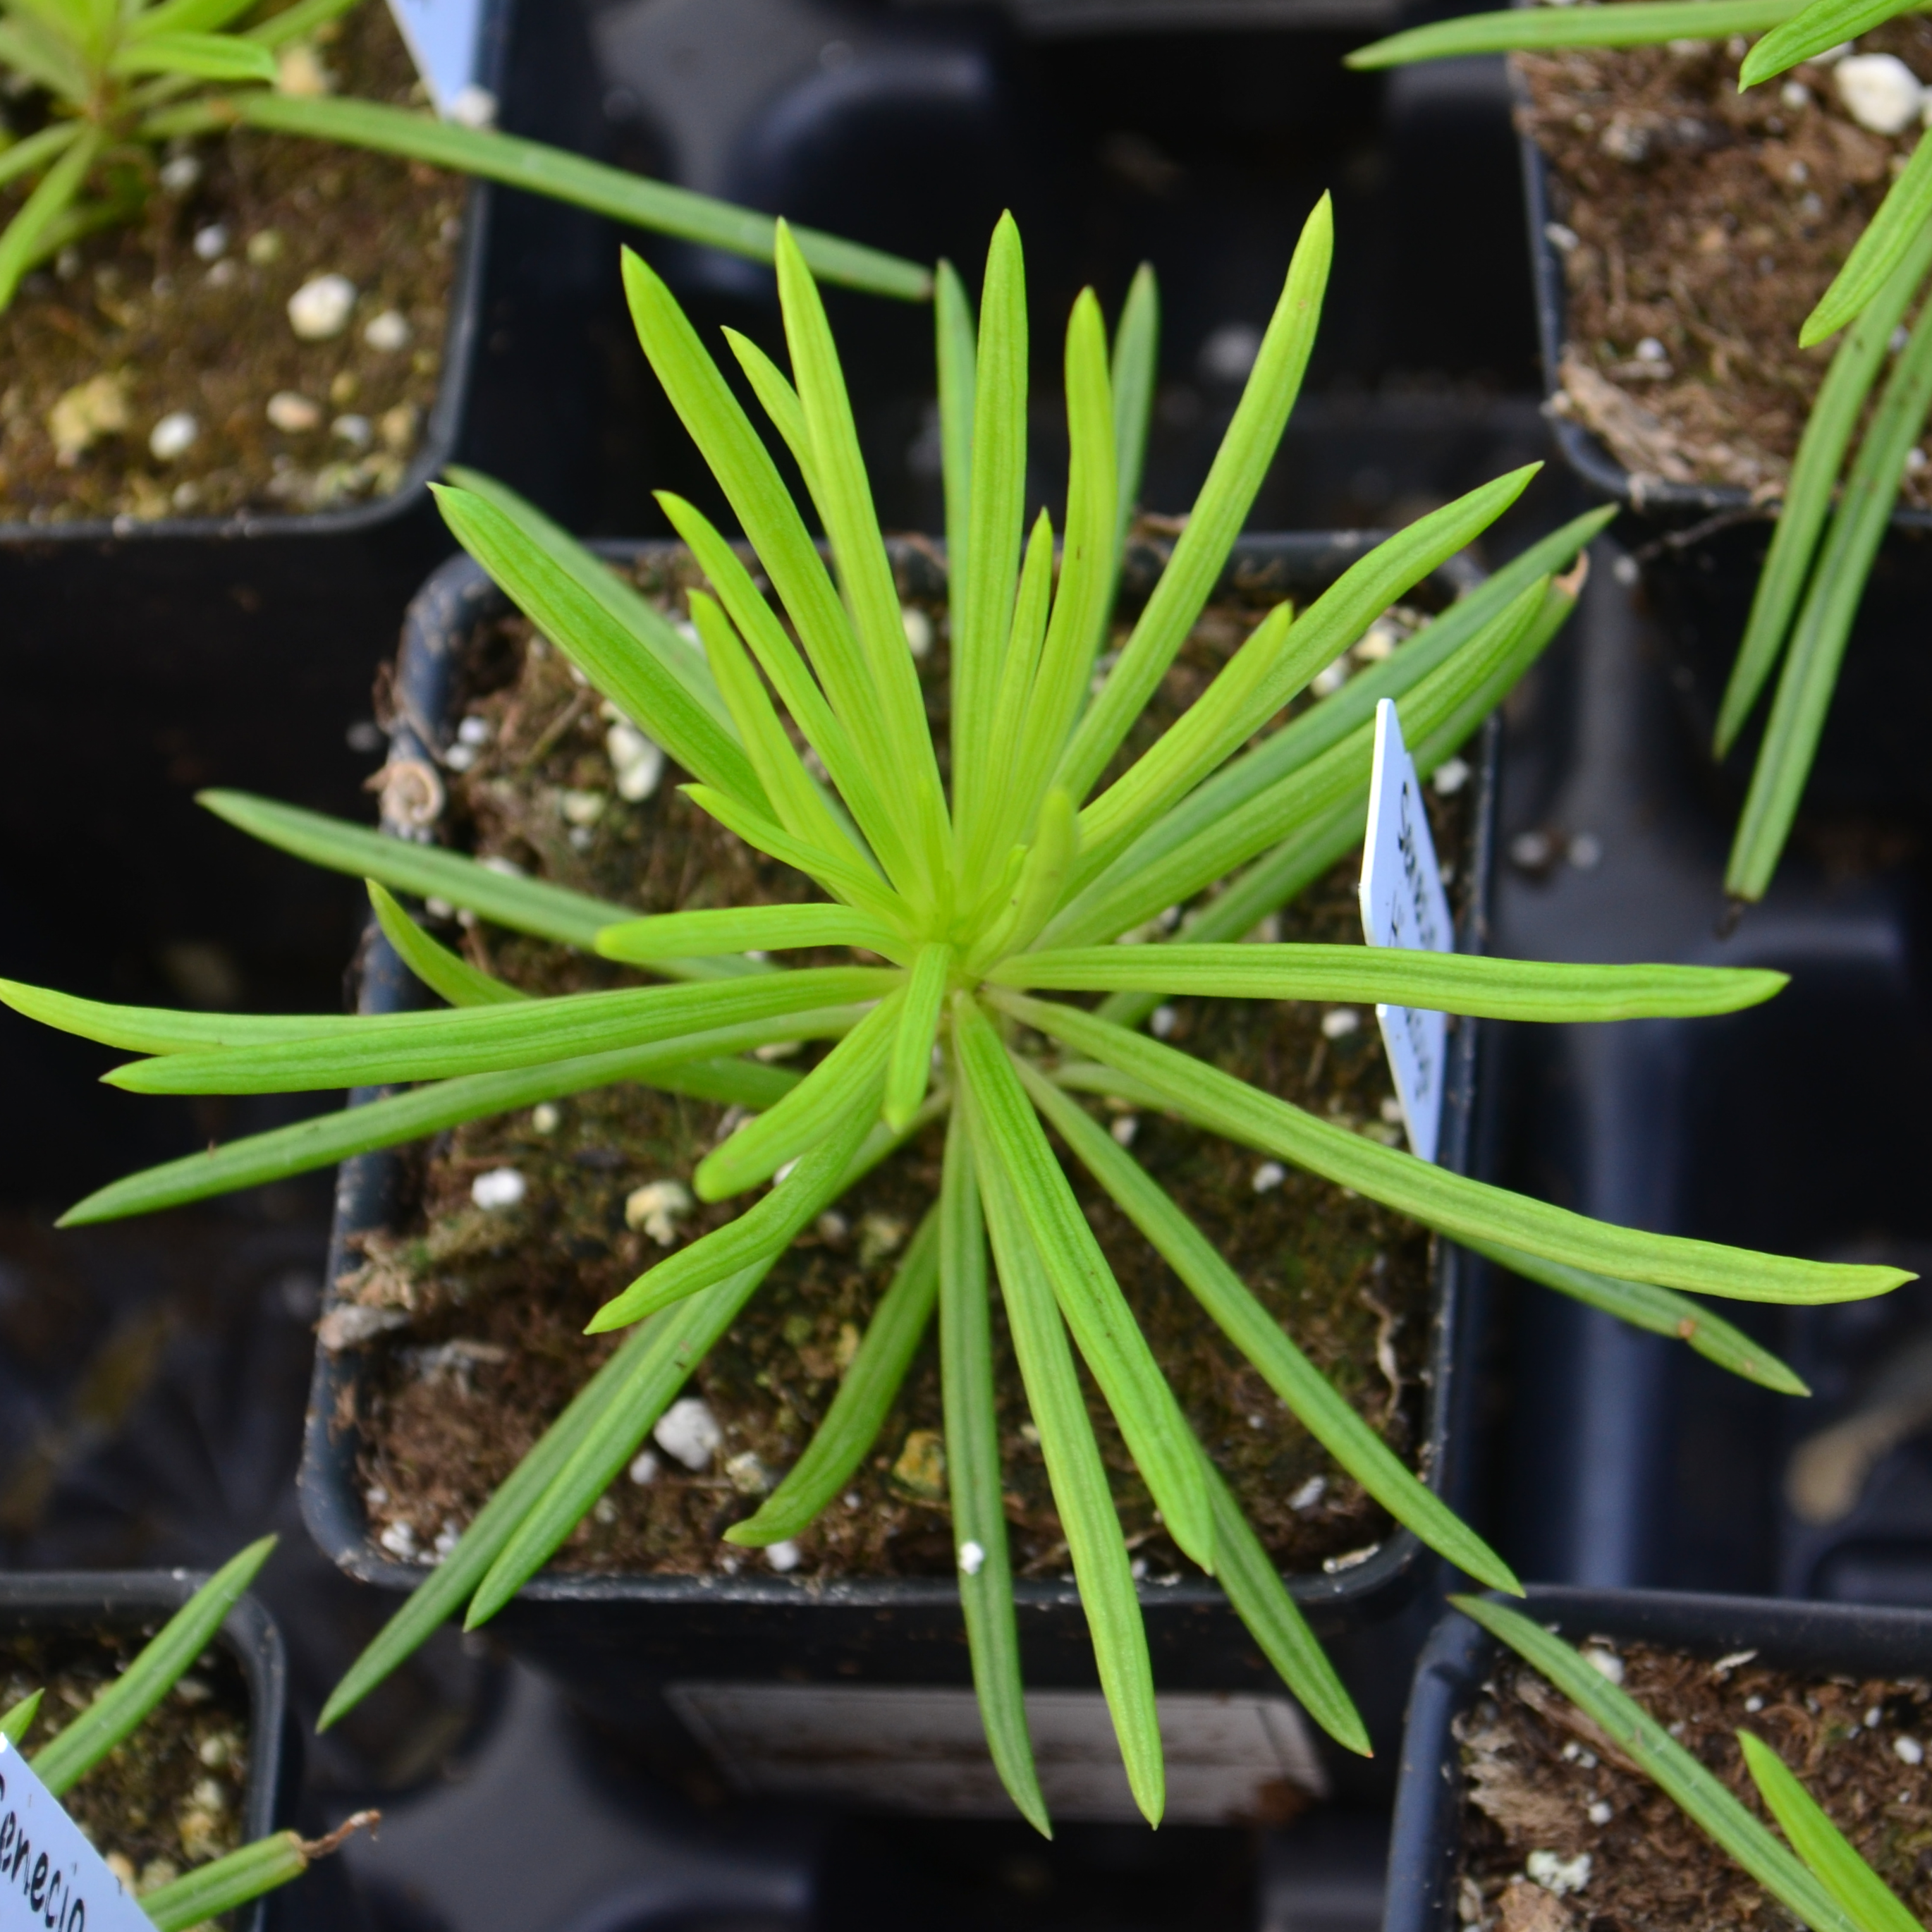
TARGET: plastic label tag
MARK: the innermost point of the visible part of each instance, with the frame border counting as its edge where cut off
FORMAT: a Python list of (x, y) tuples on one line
[(1403, 904), (51, 1879), (444, 38)]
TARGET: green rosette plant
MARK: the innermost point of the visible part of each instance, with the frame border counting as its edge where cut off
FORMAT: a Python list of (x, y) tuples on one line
[(120, 77), (1818, 1876), (64, 1760), (1822, 552), (966, 908)]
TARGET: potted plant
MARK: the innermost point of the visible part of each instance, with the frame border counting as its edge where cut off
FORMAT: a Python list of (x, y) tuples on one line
[(176, 1767), (1692, 392), (979, 896), (1529, 1787)]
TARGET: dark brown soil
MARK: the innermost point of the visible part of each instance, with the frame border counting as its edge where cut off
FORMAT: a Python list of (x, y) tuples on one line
[(169, 1796), (496, 1301), (1706, 222), (137, 312), (1536, 1767)]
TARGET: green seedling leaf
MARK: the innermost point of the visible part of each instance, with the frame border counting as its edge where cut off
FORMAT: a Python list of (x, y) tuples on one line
[(153, 1674), (18, 1720), (642, 942), (1449, 982), (55, 193), (956, 352), (1451, 1203), (222, 57), (185, 16), (561, 176), (445, 973), (1078, 1480), (23, 158), (1007, 1136), (161, 1029), (1136, 368), (1689, 1784), (973, 1477), (383, 1049), (858, 1411), (1874, 1905), (199, 1897), (1005, 786), (1640, 23), (844, 877), (910, 1065), (298, 22), (1822, 25), (1887, 240), (1655, 1309), (1241, 1317), (779, 401)]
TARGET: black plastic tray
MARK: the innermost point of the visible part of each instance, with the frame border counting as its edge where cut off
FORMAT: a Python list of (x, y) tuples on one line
[(613, 1640), (141, 1600), (1421, 1895)]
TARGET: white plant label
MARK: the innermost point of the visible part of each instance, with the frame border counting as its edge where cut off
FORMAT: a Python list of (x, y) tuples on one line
[(444, 38), (51, 1879), (1403, 904)]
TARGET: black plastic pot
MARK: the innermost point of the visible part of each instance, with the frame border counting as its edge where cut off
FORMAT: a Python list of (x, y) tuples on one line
[(1701, 548), (623, 1644), (1823, 1638), (139, 1602)]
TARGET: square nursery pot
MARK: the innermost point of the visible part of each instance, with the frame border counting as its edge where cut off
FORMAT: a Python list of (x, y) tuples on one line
[(58, 1606), (1425, 1847), (1701, 547), (858, 1689)]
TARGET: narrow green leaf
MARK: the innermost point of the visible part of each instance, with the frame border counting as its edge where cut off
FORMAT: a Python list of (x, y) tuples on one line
[(1822, 25), (1274, 1621), (198, 1896), (1886, 242), (779, 401), (1136, 369), (1874, 1905), (973, 1477), (1007, 779), (846, 1081), (956, 352), (1686, 1780), (1038, 883), (1655, 1309), (666, 1352), (1532, 30), (995, 514), (858, 1411), (756, 1237), (222, 57), (746, 929), (917, 1030), (697, 1065), (18, 1720), (562, 176), (162, 1029), (1834, 415), (1451, 1203), (1078, 1480), (298, 22), (76, 1750), (1241, 1317), (189, 16), (1235, 476), (445, 973), (1449, 982), (845, 876), (1824, 626), (381, 1049), (55, 192), (1008, 1140), (22, 157)]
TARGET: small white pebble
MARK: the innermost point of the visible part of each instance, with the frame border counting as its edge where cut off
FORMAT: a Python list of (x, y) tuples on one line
[(604, 1511), (399, 1540), (918, 629), (1599, 1813), (1626, 570), (785, 1170), (643, 1467), (1451, 775), (1908, 1750), (1558, 1875), (501, 1187), (447, 1538), (1560, 237), (833, 1227), (173, 436), (1125, 1126), (1338, 1022), (1651, 350), (1915, 460), (1325, 683), (545, 1117), (1830, 57), (292, 412), (1879, 91), (688, 1431), (181, 174), (582, 808), (655, 1208), (636, 762), (1754, 1702), (387, 332), (1269, 1176), (1874, 1718), (1137, 1569), (475, 730), (474, 107), (355, 431), (1605, 1663), (1586, 852), (321, 307), (210, 243), (783, 1557), (1310, 1493), (1161, 1022), (972, 1559), (1796, 95)]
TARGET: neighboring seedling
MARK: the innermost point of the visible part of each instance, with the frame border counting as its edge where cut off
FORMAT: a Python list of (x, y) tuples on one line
[(120, 77), (1828, 1885), (1814, 576), (965, 910), (123, 1706)]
